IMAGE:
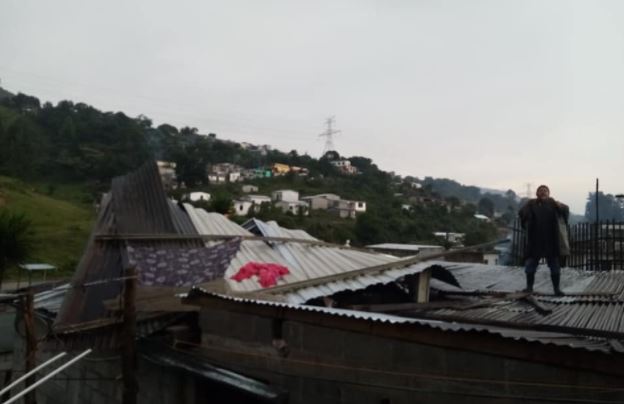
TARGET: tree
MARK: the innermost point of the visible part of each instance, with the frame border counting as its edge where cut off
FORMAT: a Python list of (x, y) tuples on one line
[(608, 207), (15, 239), (486, 207), (221, 203)]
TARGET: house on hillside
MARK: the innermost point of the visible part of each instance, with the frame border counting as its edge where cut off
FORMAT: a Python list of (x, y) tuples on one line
[(199, 196), (255, 173), (286, 195), (167, 171), (320, 201), (223, 172), (257, 199), (242, 207), (347, 209), (402, 250), (249, 188), (344, 166), (294, 207), (215, 178), (280, 169), (451, 237), (300, 171)]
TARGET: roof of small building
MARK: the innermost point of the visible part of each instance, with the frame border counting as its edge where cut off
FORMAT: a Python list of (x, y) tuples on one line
[(403, 247)]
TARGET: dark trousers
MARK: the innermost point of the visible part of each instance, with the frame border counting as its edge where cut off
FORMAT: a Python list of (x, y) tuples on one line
[(532, 263)]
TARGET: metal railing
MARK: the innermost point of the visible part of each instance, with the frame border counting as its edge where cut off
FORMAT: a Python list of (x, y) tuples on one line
[(593, 246)]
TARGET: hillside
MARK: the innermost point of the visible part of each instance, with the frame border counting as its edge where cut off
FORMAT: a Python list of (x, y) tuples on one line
[(61, 222), (75, 143), (5, 94)]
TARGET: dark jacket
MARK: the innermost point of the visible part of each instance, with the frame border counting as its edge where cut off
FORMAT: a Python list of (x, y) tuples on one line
[(540, 220)]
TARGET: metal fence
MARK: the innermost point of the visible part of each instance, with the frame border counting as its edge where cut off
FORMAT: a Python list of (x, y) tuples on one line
[(593, 246)]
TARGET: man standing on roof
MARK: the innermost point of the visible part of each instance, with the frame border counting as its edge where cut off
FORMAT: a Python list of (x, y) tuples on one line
[(540, 217)]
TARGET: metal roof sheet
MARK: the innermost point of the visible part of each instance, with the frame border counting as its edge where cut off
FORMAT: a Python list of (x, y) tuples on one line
[(543, 337), (406, 247), (595, 300), (137, 204), (305, 261)]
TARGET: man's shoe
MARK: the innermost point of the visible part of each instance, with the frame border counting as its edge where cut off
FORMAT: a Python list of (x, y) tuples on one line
[(527, 290), (559, 293)]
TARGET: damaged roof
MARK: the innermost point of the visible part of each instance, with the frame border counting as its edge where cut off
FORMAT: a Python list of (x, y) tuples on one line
[(137, 204), (305, 261), (595, 344), (594, 300)]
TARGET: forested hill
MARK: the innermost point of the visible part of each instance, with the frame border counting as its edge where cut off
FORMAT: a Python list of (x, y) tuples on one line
[(76, 143)]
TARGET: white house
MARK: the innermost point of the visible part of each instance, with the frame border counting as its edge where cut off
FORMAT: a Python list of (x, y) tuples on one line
[(359, 206), (345, 208), (249, 188), (167, 171), (199, 196), (293, 207), (234, 176), (256, 199), (455, 238), (320, 201), (285, 195), (217, 178), (241, 208), (482, 217), (344, 166)]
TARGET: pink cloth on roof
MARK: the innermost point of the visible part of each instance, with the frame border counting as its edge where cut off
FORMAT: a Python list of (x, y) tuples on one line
[(268, 274)]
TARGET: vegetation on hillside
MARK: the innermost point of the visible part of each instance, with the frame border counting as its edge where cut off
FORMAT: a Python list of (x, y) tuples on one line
[(59, 216), (74, 143)]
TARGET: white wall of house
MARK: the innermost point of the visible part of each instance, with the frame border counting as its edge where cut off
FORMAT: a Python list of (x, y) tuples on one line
[(199, 196), (241, 208), (293, 207), (490, 258), (234, 176), (257, 199), (286, 195), (216, 178), (359, 206), (249, 188), (321, 201)]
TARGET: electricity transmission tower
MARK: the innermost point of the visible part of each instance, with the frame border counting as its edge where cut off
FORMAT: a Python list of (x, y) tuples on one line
[(529, 192), (329, 135)]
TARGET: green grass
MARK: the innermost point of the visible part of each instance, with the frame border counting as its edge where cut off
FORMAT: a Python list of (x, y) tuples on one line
[(61, 221)]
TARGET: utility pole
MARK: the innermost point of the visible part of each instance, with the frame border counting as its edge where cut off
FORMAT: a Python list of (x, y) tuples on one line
[(329, 135), (596, 233), (128, 350)]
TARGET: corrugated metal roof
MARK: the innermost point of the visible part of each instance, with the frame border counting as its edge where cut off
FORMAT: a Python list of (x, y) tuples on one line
[(403, 247), (547, 338), (137, 204), (595, 300), (304, 261)]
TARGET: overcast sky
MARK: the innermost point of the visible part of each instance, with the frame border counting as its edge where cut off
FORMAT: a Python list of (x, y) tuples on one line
[(490, 93)]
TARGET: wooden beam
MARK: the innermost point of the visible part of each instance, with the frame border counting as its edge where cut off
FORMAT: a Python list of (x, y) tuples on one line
[(128, 349), (31, 344)]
